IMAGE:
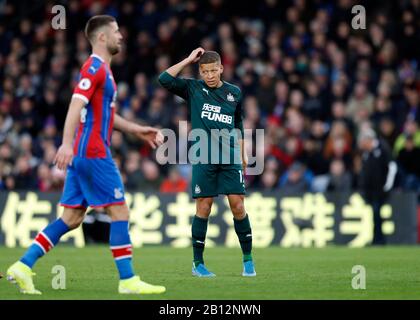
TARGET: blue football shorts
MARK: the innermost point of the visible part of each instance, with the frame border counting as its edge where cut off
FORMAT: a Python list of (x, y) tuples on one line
[(92, 182)]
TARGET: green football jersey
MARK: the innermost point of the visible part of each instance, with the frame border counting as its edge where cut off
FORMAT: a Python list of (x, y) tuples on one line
[(217, 112)]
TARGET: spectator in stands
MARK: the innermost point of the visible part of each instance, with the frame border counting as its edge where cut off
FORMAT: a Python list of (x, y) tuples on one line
[(174, 183), (296, 180), (132, 171), (360, 104), (408, 158), (339, 178), (151, 180)]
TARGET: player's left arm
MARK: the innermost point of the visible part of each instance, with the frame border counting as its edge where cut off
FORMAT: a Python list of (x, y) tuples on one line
[(151, 135), (240, 127)]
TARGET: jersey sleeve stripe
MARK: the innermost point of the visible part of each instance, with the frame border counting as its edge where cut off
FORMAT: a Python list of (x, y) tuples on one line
[(80, 96)]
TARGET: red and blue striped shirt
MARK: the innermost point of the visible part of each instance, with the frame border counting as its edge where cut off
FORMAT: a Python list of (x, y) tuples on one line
[(97, 88)]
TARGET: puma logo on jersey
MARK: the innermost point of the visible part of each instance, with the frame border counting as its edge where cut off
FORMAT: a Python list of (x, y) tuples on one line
[(206, 91), (92, 69)]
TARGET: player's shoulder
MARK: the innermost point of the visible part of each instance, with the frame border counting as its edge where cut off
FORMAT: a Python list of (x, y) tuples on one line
[(234, 92), (93, 65), (234, 88)]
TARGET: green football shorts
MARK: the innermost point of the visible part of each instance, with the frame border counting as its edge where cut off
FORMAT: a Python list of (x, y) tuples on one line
[(210, 180)]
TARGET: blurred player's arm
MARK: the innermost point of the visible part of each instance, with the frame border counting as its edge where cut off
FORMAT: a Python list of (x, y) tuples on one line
[(64, 155), (168, 79), (239, 125), (149, 134)]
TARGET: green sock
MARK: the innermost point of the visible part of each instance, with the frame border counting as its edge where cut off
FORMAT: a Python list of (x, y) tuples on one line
[(198, 231), (247, 257), (243, 230)]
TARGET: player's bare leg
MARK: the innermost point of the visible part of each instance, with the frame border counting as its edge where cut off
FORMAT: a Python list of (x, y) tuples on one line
[(122, 251), (236, 203), (243, 230), (118, 212), (73, 217), (20, 273), (203, 207), (198, 231)]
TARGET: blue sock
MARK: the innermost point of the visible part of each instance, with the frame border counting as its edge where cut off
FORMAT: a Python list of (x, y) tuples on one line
[(44, 242), (119, 241)]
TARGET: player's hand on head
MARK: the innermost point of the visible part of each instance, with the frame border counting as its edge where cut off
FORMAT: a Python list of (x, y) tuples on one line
[(64, 156), (196, 54)]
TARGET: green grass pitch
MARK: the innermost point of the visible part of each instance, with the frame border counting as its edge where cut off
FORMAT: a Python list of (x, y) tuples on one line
[(391, 273)]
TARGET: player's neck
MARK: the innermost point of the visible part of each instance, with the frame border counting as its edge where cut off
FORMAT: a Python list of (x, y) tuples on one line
[(217, 86), (103, 55)]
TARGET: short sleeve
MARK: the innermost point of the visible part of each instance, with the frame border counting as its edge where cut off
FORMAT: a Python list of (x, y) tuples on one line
[(91, 77)]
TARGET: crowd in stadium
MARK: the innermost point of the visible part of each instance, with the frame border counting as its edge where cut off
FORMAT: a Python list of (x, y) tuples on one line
[(308, 78)]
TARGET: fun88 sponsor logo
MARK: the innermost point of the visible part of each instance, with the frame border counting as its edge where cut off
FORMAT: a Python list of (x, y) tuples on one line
[(212, 113)]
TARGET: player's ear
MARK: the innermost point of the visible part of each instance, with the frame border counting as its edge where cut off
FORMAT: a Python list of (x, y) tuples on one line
[(101, 35), (221, 68)]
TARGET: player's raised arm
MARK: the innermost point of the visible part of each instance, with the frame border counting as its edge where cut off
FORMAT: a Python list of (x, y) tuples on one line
[(151, 135), (64, 154), (168, 79), (192, 58)]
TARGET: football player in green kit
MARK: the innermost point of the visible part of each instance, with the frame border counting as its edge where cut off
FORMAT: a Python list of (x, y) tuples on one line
[(215, 108)]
